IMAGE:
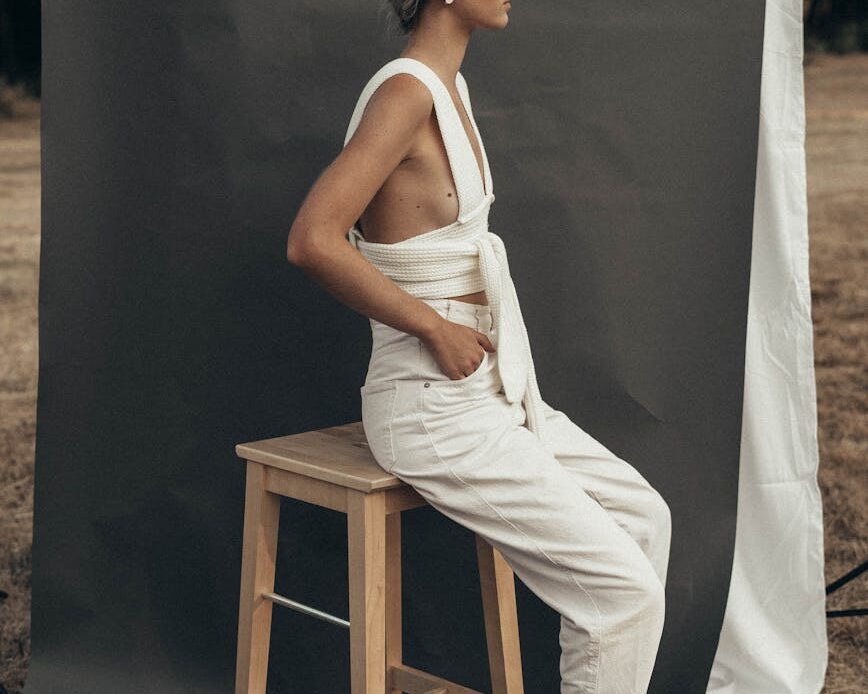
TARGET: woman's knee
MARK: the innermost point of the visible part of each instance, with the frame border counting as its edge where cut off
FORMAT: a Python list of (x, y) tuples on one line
[(647, 594), (660, 514)]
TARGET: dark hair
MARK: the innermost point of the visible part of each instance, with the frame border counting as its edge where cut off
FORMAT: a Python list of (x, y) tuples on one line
[(408, 12)]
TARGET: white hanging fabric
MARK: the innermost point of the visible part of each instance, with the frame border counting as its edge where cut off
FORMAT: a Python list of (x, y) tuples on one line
[(773, 639)]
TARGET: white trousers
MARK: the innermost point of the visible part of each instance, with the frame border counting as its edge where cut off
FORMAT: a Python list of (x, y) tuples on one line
[(582, 528)]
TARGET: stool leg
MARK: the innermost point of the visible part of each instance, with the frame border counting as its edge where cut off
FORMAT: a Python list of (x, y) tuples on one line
[(366, 534), (394, 623), (501, 620), (261, 517)]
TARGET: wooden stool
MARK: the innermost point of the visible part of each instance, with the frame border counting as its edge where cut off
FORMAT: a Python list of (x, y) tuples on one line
[(334, 468)]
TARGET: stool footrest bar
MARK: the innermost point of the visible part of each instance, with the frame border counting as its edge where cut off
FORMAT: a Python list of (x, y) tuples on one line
[(305, 609)]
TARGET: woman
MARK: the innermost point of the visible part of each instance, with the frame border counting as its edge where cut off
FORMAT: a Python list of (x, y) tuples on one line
[(451, 403)]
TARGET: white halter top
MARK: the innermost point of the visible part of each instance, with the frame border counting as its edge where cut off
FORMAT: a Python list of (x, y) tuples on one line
[(464, 256)]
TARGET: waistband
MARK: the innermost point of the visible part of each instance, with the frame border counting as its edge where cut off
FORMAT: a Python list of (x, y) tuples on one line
[(453, 306), (476, 316)]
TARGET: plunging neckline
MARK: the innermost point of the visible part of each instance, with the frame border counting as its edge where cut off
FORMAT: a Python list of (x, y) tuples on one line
[(481, 175)]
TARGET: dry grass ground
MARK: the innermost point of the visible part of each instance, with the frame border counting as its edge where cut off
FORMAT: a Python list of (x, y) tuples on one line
[(837, 100), (837, 161), (19, 275)]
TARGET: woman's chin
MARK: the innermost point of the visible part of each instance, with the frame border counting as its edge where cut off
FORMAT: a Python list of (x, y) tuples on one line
[(501, 22)]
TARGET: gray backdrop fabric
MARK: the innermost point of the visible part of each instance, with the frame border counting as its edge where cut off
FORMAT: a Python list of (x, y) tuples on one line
[(179, 140)]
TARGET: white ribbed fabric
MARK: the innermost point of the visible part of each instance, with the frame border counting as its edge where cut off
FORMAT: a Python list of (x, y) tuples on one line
[(464, 256)]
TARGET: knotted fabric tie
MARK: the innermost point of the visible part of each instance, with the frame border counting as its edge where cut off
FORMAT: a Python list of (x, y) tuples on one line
[(514, 358)]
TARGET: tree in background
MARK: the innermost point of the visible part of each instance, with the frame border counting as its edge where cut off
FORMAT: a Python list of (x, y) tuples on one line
[(837, 25), (21, 44)]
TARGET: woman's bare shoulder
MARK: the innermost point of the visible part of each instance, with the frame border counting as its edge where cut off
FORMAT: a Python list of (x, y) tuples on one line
[(400, 97)]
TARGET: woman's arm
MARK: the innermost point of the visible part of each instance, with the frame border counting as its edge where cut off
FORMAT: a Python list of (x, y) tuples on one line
[(317, 240)]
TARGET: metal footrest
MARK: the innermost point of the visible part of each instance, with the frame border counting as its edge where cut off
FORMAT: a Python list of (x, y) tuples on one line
[(306, 609)]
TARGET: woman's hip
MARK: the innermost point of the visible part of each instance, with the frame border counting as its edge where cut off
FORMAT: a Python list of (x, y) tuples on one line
[(410, 408), (400, 356)]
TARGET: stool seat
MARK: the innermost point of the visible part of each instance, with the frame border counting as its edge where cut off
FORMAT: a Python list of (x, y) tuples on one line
[(339, 455), (334, 468)]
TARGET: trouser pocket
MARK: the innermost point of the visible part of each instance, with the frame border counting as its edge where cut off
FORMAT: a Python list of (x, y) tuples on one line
[(390, 417), (378, 405)]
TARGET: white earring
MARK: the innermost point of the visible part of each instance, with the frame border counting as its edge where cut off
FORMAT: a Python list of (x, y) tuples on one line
[(449, 2)]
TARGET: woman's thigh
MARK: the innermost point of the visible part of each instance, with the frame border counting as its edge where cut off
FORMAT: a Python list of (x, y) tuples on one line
[(464, 448), (473, 460)]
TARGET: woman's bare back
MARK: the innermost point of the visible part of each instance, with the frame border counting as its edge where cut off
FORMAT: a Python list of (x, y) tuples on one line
[(419, 195)]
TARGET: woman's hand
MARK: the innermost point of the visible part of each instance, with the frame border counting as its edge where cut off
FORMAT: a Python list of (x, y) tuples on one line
[(457, 349)]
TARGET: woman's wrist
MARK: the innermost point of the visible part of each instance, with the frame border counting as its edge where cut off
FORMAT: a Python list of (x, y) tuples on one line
[(429, 325)]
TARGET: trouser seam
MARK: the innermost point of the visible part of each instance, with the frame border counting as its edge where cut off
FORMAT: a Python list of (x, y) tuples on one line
[(596, 639)]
